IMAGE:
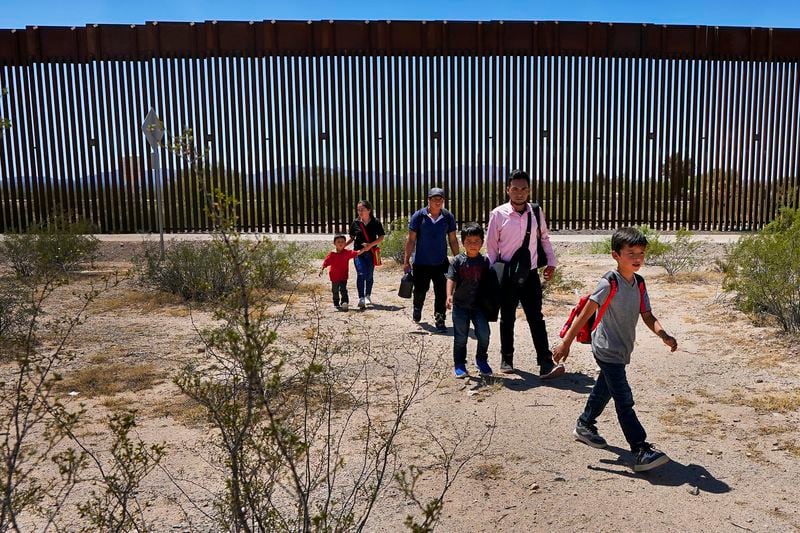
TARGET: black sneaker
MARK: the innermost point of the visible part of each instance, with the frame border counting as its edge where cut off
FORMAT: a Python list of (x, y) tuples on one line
[(588, 435), (417, 314), (506, 366), (439, 322), (648, 458), (550, 370)]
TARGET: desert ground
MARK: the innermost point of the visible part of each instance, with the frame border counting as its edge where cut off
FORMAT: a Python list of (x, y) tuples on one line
[(725, 407)]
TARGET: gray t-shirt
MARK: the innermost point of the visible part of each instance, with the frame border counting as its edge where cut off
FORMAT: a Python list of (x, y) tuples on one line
[(612, 341)]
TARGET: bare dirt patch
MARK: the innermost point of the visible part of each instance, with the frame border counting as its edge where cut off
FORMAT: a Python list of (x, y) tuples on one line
[(725, 407)]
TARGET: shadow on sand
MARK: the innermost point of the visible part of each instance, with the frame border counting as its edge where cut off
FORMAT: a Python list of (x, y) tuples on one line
[(573, 381), (672, 474)]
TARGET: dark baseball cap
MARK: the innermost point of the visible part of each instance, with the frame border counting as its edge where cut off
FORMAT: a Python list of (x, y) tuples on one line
[(436, 191)]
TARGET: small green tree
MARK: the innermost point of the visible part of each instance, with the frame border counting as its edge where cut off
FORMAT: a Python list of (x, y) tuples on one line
[(35, 423), (112, 504), (38, 429), (764, 270), (14, 315)]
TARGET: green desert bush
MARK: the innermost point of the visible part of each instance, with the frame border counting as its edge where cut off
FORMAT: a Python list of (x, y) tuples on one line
[(764, 271), (57, 246), (394, 244), (15, 312), (682, 255), (202, 272), (678, 256)]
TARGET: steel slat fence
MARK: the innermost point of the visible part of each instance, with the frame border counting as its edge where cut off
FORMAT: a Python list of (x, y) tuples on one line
[(617, 124)]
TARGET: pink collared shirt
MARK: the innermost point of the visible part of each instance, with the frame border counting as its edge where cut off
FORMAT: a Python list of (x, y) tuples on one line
[(506, 231)]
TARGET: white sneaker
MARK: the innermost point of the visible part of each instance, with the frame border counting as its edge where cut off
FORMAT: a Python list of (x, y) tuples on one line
[(344, 306), (362, 304), (368, 300)]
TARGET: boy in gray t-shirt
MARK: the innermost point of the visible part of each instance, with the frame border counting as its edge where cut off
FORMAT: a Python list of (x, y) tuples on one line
[(612, 344)]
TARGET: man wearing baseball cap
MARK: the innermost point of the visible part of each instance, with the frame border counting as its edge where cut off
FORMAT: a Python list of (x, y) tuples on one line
[(430, 230)]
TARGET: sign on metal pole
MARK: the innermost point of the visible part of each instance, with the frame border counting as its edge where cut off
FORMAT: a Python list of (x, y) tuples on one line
[(153, 130)]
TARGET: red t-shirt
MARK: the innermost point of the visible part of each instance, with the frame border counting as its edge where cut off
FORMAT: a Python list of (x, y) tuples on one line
[(339, 263)]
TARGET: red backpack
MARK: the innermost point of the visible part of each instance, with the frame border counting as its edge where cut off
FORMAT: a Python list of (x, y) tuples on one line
[(585, 334)]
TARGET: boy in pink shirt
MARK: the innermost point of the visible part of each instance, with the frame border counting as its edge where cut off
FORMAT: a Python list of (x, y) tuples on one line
[(339, 261)]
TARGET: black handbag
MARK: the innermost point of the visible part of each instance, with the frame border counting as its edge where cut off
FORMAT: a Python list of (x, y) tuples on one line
[(518, 268), (406, 286)]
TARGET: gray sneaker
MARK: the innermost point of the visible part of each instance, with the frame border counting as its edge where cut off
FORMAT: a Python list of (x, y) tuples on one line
[(506, 366), (588, 435), (345, 306)]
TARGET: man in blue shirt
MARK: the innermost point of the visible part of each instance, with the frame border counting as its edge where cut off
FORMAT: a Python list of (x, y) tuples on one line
[(430, 230)]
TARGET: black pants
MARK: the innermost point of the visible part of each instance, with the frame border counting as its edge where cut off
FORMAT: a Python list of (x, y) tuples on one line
[(531, 298), (339, 290), (423, 276)]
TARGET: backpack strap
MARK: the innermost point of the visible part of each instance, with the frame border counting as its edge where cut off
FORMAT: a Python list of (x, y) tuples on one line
[(527, 240), (535, 208), (612, 281), (640, 282), (364, 232)]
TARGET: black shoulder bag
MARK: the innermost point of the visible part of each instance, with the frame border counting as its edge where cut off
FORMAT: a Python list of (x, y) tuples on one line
[(518, 268)]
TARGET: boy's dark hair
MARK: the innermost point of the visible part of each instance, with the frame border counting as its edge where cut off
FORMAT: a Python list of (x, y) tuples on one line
[(518, 174), (627, 236), (471, 229), (339, 236)]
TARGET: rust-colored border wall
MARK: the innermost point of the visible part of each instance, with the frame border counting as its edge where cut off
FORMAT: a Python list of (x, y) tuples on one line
[(256, 39)]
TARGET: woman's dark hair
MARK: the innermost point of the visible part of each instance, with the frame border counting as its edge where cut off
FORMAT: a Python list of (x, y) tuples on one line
[(368, 205), (627, 236), (518, 174), (471, 229)]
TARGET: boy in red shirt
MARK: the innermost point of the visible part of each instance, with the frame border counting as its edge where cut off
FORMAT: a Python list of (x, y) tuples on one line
[(339, 261)]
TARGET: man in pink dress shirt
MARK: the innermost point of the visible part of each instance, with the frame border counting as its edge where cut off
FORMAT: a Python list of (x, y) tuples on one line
[(504, 236)]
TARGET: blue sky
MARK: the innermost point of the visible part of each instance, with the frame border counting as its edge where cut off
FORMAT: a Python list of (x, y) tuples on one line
[(763, 13)]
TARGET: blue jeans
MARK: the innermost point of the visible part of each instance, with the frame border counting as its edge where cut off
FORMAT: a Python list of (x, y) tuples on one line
[(613, 383), (461, 320), (365, 268)]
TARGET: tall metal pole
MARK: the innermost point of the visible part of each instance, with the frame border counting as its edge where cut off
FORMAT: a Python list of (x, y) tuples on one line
[(156, 159)]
